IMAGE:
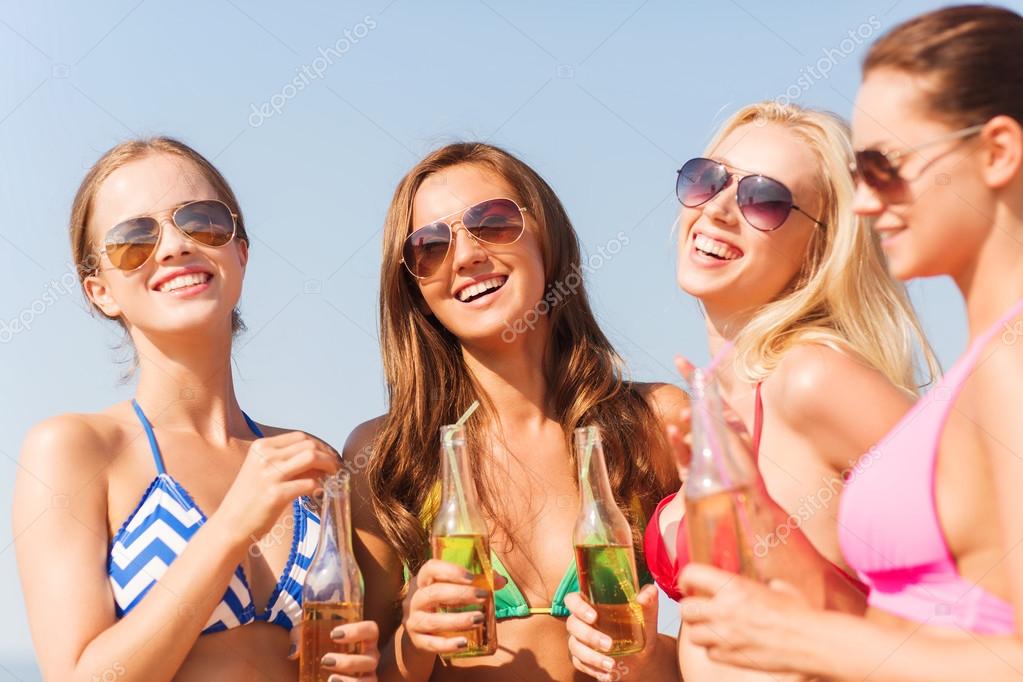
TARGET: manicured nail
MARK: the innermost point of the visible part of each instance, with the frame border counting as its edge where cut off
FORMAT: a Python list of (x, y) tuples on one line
[(605, 643), (328, 661), (462, 643), (608, 664), (292, 650), (591, 616), (478, 618), (337, 633), (481, 593), (335, 678), (468, 576)]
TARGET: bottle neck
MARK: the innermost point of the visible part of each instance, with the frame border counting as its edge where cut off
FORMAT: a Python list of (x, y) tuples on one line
[(715, 465), (336, 517)]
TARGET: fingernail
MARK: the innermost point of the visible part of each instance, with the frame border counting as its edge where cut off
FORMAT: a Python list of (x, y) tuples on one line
[(609, 664), (328, 661), (462, 643), (591, 616), (481, 593), (337, 633), (478, 618), (468, 576), (605, 643), (293, 649)]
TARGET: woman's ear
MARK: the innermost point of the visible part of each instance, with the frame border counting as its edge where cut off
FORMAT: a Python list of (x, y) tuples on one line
[(243, 252), (98, 293), (1003, 151)]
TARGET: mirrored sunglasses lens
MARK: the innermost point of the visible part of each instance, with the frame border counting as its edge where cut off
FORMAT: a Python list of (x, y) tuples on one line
[(207, 222), (131, 243), (424, 250), (764, 202), (698, 182), (496, 221)]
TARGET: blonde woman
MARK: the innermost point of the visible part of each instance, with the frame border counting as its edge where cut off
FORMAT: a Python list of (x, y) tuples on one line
[(934, 523), (823, 359)]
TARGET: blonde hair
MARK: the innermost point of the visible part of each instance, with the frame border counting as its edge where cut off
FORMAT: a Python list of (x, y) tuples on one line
[(843, 296)]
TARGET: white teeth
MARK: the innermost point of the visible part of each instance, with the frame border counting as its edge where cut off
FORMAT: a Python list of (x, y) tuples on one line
[(480, 287), (713, 246), (181, 281)]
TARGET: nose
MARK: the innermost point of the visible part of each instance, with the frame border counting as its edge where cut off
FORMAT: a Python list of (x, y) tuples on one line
[(723, 207), (866, 202), (173, 244), (467, 250)]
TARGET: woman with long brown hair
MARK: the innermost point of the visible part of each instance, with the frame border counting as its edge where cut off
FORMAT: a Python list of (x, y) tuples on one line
[(482, 298), (932, 517)]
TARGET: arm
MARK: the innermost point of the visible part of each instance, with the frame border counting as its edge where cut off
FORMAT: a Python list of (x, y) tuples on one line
[(773, 629), (60, 521), (776, 628), (399, 660)]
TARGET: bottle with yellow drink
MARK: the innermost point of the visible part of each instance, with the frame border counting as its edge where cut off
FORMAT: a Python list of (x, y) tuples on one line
[(604, 552), (460, 537)]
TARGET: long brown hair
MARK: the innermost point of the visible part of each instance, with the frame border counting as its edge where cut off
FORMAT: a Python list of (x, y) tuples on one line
[(428, 382), (85, 253), (969, 57)]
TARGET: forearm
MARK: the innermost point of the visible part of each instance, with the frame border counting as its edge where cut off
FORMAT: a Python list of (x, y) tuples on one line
[(401, 661), (152, 641), (842, 647)]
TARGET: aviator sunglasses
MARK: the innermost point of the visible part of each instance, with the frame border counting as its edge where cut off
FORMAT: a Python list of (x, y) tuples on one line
[(764, 202), (880, 170), (494, 221), (131, 243)]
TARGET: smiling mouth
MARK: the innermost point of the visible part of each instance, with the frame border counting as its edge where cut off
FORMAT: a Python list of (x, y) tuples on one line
[(183, 281), (714, 248), (476, 291)]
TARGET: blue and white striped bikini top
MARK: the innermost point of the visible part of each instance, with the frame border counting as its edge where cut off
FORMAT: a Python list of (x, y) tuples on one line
[(157, 532)]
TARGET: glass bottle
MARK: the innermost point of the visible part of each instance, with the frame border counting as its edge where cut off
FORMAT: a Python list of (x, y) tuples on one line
[(725, 503), (604, 552), (332, 594), (460, 536)]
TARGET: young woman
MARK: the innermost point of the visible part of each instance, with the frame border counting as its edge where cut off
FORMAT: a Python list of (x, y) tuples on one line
[(165, 537), (475, 242), (932, 518), (786, 273)]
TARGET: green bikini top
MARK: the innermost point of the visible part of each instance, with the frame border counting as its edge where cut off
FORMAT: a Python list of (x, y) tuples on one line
[(509, 601)]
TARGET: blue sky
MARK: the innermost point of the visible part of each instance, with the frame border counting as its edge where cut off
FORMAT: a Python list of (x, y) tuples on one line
[(314, 110)]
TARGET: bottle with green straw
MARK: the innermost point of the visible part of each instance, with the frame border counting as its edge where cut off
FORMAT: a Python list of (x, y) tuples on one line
[(604, 552), (460, 537)]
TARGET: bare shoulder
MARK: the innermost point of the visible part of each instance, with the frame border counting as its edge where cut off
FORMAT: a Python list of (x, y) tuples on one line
[(356, 455), (360, 440), (666, 400), (815, 381), (834, 398), (71, 448)]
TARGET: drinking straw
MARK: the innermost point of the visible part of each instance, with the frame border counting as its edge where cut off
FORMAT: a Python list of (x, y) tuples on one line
[(453, 463)]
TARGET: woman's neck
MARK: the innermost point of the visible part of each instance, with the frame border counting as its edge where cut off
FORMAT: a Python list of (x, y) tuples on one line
[(723, 327), (189, 386), (992, 282), (512, 376)]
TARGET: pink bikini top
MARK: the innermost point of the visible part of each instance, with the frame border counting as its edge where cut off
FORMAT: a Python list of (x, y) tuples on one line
[(666, 571), (888, 521)]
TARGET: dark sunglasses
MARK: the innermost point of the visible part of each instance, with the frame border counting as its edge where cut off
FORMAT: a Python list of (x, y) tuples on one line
[(764, 202), (880, 170), (494, 221), (129, 244)]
